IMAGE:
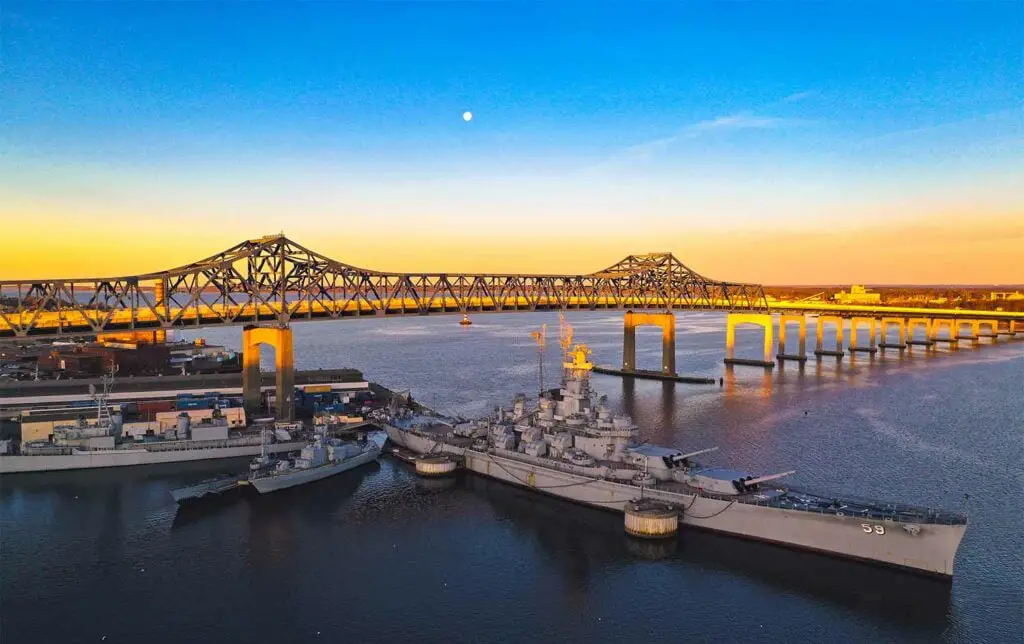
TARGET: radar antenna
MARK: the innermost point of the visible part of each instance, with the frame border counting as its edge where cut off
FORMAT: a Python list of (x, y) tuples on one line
[(580, 366)]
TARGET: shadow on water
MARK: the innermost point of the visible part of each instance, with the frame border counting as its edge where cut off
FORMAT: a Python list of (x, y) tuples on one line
[(582, 541), (438, 485), (314, 501), (94, 481)]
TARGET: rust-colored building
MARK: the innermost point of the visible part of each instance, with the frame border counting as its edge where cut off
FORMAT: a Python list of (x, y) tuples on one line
[(94, 360)]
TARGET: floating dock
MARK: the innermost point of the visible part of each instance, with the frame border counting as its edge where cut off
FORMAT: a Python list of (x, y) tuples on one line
[(209, 487), (655, 375)]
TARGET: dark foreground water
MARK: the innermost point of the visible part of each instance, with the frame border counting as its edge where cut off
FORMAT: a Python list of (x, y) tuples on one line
[(377, 555)]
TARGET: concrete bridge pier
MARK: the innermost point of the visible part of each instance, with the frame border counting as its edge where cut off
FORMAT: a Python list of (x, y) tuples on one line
[(912, 325), (763, 320), (992, 332), (280, 338), (162, 305), (1010, 329), (871, 323), (819, 349), (951, 338), (975, 327), (667, 322), (800, 356), (901, 325)]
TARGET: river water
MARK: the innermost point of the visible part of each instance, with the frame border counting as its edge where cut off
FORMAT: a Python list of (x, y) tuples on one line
[(377, 555)]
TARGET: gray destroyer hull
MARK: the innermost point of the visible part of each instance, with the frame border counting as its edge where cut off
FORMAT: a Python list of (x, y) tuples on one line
[(274, 482), (923, 548)]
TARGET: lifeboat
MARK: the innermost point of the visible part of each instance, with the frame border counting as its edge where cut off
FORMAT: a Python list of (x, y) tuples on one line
[(465, 321)]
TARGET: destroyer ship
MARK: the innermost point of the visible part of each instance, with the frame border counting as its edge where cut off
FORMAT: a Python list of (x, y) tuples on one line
[(570, 445), (84, 445), (321, 457)]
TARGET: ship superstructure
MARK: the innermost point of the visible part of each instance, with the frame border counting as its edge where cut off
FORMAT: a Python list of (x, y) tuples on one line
[(570, 444), (100, 443), (321, 457)]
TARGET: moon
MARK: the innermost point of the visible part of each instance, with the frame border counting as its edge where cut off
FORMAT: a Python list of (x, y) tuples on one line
[(467, 116)]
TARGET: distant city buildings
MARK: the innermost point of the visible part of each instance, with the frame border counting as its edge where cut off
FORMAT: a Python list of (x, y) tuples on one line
[(1010, 296), (857, 295)]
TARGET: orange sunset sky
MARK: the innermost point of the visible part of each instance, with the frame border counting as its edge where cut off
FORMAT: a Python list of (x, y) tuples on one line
[(762, 155)]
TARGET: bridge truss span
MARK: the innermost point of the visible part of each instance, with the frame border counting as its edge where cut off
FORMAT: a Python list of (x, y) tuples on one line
[(273, 279)]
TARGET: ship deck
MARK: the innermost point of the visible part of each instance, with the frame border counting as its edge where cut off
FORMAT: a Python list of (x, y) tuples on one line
[(795, 499), (780, 497)]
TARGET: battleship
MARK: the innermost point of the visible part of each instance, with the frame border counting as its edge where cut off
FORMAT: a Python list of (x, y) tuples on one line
[(570, 445), (83, 445), (321, 457)]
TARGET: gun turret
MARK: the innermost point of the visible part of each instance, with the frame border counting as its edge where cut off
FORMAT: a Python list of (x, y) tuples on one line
[(769, 477), (683, 457), (749, 483)]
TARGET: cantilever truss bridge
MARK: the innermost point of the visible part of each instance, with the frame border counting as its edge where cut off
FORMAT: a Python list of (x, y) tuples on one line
[(275, 280)]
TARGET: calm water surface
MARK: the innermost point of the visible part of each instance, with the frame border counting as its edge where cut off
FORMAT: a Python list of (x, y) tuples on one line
[(377, 555)]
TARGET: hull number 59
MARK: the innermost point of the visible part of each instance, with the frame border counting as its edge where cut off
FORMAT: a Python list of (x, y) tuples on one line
[(872, 529)]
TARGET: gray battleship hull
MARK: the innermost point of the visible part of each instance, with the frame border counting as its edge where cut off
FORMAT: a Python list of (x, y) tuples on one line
[(275, 482), (128, 457), (925, 548)]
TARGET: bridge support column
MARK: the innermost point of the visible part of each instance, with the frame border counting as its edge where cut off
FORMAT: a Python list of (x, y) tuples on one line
[(161, 305), (854, 324), (974, 326), (993, 330), (280, 338), (763, 320), (819, 349), (901, 325), (950, 325), (667, 322), (784, 319), (1010, 329), (912, 325)]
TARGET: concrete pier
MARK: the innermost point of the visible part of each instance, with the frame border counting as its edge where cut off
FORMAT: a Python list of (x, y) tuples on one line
[(654, 375), (763, 320), (819, 348), (801, 355), (666, 322), (912, 332), (855, 323), (280, 338)]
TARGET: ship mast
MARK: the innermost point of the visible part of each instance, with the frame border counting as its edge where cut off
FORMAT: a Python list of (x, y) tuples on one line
[(565, 340), (102, 410), (540, 337)]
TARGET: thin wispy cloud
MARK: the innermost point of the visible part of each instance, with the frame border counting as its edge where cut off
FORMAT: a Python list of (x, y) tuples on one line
[(741, 121), (1011, 119), (799, 96), (720, 124)]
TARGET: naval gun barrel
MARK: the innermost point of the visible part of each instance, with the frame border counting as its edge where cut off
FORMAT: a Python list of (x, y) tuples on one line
[(766, 478), (682, 457)]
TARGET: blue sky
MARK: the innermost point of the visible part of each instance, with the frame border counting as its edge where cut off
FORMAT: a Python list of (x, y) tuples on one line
[(729, 116)]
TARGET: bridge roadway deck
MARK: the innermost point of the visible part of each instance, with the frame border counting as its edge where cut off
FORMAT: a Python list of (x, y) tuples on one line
[(87, 321), (860, 310), (81, 321)]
